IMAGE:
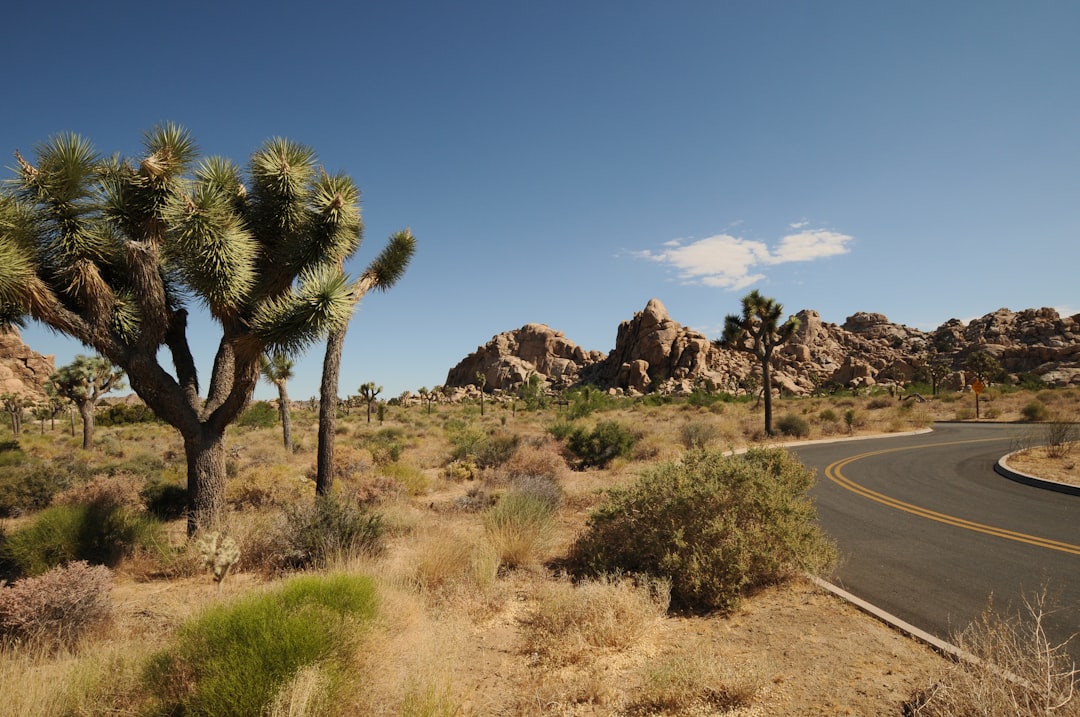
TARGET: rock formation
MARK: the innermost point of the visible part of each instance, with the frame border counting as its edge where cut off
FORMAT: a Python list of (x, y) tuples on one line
[(23, 371), (510, 358), (655, 353)]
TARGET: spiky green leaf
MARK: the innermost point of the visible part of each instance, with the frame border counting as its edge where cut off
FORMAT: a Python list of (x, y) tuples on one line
[(292, 322), (390, 265)]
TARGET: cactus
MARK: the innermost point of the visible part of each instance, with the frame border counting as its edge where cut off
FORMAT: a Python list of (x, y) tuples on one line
[(219, 553)]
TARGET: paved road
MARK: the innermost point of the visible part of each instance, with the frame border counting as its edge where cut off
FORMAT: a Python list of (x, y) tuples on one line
[(928, 531)]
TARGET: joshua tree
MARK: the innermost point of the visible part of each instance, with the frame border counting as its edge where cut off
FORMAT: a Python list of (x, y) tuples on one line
[(368, 392), (84, 381), (13, 406), (936, 366), (481, 381), (984, 368), (109, 250), (758, 331), (277, 368)]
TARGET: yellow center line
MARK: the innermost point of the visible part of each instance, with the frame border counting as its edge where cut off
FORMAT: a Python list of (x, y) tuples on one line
[(834, 473)]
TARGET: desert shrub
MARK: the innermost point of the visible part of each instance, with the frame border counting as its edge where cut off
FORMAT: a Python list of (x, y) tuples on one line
[(101, 532), (705, 398), (122, 413), (541, 487), (386, 445), (1035, 411), (411, 479), (540, 458), (485, 449), (878, 402), (828, 415), (714, 526), (329, 528), (235, 659), (31, 485), (1017, 669), (698, 434), (56, 608), (965, 414), (1058, 438), (700, 680), (377, 488), (583, 401), (28, 488), (520, 526), (574, 621), (496, 449), (561, 430), (792, 425), (604, 443), (259, 414)]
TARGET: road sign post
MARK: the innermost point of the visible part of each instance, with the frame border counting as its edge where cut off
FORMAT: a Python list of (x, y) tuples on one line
[(978, 387)]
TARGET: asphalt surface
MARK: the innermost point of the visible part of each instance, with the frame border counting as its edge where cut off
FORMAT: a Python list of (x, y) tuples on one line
[(927, 531)]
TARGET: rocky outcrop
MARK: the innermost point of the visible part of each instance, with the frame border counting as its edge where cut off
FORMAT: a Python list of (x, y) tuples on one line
[(653, 352), (23, 371), (509, 359)]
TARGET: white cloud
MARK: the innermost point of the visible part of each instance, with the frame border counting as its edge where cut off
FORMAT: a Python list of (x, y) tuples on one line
[(733, 263)]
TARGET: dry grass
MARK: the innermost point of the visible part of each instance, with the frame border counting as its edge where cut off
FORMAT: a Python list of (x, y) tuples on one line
[(457, 635), (1015, 670), (572, 623)]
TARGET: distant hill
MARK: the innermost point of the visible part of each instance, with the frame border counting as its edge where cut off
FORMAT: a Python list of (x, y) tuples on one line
[(654, 352)]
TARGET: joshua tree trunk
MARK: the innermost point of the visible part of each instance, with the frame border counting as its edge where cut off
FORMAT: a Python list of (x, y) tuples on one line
[(86, 413), (283, 411), (206, 479), (766, 382), (328, 400)]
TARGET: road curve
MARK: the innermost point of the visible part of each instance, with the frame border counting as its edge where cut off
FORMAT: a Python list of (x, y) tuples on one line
[(928, 531)]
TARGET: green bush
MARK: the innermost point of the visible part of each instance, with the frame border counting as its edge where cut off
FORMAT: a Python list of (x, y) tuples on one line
[(1035, 411), (585, 400), (698, 435), (715, 526), (123, 413), (793, 425), (705, 398), (100, 532), (485, 449), (386, 445), (603, 444), (330, 528), (29, 487), (259, 414), (233, 659), (561, 430)]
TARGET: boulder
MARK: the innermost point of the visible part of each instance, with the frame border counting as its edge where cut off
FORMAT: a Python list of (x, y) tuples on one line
[(23, 371)]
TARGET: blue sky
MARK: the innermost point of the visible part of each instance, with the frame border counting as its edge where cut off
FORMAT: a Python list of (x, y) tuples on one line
[(564, 162)]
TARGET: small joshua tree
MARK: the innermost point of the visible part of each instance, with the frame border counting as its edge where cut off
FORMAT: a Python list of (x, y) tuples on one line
[(84, 381), (368, 392), (481, 381)]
